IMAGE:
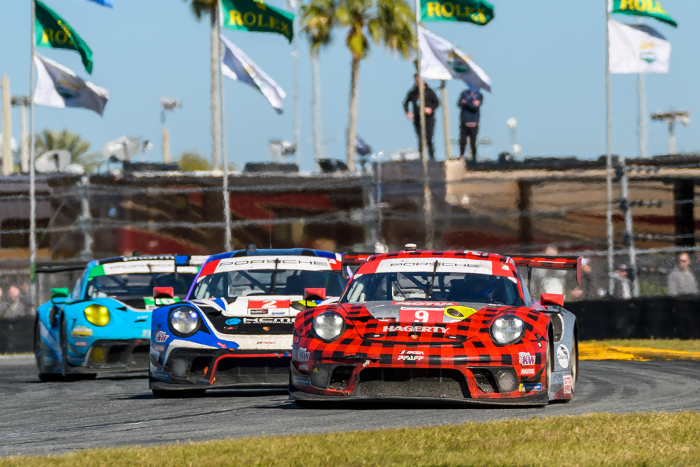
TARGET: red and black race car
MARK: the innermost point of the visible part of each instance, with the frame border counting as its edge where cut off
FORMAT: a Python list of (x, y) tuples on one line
[(441, 325)]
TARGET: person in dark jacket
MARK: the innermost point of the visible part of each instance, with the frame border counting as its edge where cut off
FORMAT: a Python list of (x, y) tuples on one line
[(470, 104), (431, 104)]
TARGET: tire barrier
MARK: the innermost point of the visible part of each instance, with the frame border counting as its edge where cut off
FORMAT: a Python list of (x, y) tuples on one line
[(17, 335), (639, 318)]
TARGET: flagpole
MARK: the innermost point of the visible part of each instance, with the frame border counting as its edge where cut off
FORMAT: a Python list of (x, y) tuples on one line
[(297, 110), (32, 171), (445, 120), (228, 244), (608, 146), (427, 195)]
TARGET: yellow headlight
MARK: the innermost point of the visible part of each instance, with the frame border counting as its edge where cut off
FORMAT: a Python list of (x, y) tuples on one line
[(97, 315)]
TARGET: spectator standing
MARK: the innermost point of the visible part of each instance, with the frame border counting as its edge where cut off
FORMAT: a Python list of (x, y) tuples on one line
[(681, 280), (591, 288), (431, 104), (470, 103), (622, 288), (12, 307)]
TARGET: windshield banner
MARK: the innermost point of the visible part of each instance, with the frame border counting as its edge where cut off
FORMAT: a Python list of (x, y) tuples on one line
[(247, 263), (458, 265), (140, 267)]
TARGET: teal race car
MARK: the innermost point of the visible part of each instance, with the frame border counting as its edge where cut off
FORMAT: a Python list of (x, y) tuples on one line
[(104, 324)]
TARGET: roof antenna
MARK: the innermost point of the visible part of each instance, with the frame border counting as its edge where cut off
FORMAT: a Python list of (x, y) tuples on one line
[(410, 247), (135, 253), (250, 247)]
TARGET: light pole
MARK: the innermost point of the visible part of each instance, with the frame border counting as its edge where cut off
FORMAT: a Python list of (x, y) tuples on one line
[(167, 104), (513, 125), (671, 117), (23, 102)]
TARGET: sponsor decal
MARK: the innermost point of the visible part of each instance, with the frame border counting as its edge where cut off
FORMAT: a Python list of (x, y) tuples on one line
[(233, 321), (145, 332), (567, 385), (268, 304), (223, 346), (423, 315), (258, 312), (301, 354), (530, 387), (268, 320), (527, 371), (563, 355), (153, 303), (304, 367), (161, 337), (81, 331), (459, 312), (158, 347), (415, 329), (162, 375), (411, 355), (80, 344), (278, 313), (473, 266), (367, 362), (264, 343), (302, 381), (526, 358), (303, 263)]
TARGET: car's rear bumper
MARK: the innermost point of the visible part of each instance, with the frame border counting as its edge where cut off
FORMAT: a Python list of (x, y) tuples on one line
[(188, 368)]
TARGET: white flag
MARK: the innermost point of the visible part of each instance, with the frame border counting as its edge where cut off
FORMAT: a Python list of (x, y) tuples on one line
[(58, 86), (236, 65), (442, 60), (637, 48)]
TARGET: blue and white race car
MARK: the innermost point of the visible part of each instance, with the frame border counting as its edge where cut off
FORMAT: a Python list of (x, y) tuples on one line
[(234, 330), (104, 324)]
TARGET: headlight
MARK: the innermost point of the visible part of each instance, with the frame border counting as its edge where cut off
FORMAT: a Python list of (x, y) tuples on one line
[(97, 315), (328, 325), (184, 321), (507, 329)]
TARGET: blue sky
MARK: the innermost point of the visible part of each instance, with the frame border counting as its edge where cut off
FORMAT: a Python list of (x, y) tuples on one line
[(546, 60)]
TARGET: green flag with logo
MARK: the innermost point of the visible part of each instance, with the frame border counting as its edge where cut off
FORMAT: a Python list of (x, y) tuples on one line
[(650, 8), (255, 15), (466, 11), (54, 32)]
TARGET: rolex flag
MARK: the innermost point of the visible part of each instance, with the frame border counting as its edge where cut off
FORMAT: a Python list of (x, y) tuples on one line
[(442, 60), (637, 48), (236, 65), (54, 32), (59, 86)]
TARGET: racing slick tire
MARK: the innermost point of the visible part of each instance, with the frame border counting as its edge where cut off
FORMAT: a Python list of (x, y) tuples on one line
[(574, 365), (44, 377), (69, 377), (177, 394), (549, 361)]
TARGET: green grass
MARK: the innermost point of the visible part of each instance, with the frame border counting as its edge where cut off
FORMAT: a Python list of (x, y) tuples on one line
[(687, 345), (597, 439)]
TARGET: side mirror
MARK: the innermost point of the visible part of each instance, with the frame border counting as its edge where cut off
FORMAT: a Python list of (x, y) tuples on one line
[(552, 299), (314, 294), (163, 292), (61, 292)]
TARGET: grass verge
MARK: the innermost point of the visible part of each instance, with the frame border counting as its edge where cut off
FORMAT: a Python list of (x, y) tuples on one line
[(596, 439)]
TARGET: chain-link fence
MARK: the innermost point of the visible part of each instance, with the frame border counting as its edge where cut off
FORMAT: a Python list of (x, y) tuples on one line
[(503, 211)]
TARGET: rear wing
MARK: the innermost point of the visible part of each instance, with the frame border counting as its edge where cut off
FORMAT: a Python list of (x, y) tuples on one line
[(549, 262), (50, 267), (351, 261)]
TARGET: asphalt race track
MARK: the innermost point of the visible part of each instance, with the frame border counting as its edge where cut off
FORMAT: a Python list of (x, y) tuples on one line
[(51, 418)]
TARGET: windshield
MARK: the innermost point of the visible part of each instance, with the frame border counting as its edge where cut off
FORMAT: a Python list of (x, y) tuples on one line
[(446, 286), (137, 285), (268, 282)]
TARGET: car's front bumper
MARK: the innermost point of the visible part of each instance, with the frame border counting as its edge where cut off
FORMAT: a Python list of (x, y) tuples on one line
[(114, 356), (188, 368)]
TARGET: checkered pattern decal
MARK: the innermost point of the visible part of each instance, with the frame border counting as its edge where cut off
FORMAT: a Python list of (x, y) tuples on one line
[(368, 342)]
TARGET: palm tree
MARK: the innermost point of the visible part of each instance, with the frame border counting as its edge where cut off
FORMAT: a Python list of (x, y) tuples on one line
[(200, 8), (389, 22), (318, 20), (50, 140)]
